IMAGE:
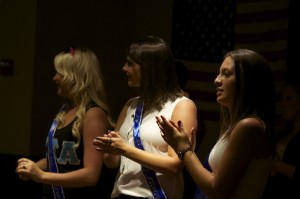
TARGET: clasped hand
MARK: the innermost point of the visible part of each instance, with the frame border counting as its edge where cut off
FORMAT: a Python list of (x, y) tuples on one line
[(27, 169), (111, 143), (175, 134)]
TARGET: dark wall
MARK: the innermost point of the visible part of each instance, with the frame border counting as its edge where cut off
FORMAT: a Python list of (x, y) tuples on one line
[(13, 186)]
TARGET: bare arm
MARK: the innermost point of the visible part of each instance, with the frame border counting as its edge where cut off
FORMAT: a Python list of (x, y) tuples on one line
[(235, 160), (42, 164), (95, 123), (113, 160), (185, 111)]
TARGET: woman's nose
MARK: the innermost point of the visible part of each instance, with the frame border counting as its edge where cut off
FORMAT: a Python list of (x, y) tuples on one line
[(217, 80)]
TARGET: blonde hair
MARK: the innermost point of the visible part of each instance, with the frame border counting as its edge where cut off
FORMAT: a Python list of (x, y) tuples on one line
[(82, 75)]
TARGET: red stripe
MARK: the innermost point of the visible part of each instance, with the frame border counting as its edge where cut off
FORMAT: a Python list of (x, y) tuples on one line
[(261, 16), (275, 55), (271, 35)]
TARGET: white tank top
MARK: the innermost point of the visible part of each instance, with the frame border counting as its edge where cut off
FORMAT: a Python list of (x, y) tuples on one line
[(130, 179), (253, 182)]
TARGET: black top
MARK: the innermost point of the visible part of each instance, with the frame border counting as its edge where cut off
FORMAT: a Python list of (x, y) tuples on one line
[(70, 159)]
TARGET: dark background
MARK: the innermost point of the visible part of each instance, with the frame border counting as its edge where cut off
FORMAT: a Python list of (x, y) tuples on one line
[(74, 23)]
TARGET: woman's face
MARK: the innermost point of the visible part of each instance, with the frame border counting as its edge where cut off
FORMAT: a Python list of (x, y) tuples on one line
[(61, 86), (132, 70), (225, 83), (290, 104)]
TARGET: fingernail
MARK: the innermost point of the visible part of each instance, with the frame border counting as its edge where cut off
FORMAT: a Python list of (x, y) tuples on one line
[(179, 123)]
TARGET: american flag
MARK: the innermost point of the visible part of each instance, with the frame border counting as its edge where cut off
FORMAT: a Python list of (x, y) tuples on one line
[(204, 29)]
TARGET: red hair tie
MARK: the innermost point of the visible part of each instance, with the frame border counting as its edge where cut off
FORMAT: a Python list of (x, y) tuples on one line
[(72, 51)]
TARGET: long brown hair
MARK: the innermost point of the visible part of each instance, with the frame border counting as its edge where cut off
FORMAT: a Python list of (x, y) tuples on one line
[(255, 91), (158, 77)]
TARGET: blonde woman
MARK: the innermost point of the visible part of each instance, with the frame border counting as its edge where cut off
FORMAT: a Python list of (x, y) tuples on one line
[(72, 167)]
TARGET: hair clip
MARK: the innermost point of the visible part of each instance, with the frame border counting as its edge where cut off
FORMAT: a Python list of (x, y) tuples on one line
[(70, 50)]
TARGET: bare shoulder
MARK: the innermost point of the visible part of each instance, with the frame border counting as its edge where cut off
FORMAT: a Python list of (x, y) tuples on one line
[(250, 127), (251, 122), (186, 112), (185, 108), (186, 104), (95, 112), (251, 131)]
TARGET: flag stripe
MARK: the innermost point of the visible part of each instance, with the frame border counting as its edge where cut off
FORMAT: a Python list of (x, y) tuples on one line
[(249, 37)]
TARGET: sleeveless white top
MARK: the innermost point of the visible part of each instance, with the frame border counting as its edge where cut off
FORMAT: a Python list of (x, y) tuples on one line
[(130, 179), (253, 182)]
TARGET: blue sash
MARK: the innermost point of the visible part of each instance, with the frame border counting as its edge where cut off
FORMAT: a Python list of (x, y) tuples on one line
[(57, 190), (150, 175)]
